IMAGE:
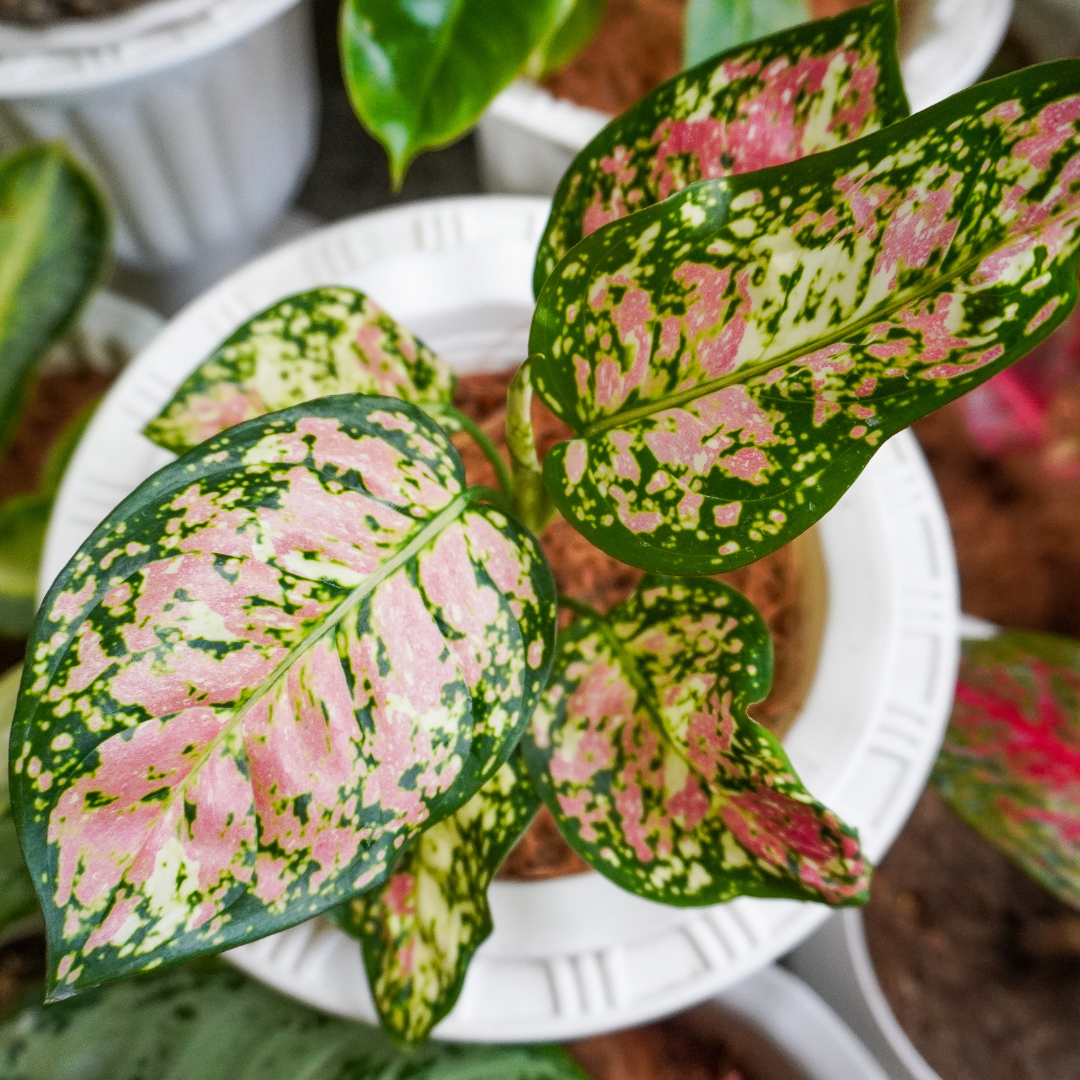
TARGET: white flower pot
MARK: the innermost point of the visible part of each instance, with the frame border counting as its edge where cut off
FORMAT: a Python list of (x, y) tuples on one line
[(527, 137), (198, 117), (836, 963), (575, 956)]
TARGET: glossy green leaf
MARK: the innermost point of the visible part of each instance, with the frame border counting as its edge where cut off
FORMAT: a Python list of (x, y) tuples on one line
[(1010, 763), (275, 663), (644, 753), (332, 340), (733, 357), (216, 1024), (576, 26), (55, 241), (421, 928), (796, 93), (17, 898), (420, 74), (714, 26)]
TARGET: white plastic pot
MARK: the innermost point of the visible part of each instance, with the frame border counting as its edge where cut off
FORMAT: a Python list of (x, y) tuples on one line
[(527, 137), (836, 963), (198, 117), (576, 956)]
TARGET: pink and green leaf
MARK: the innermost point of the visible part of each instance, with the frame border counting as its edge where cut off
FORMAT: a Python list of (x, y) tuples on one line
[(731, 358), (799, 92), (332, 340), (643, 751), (279, 660), (1010, 764), (421, 928)]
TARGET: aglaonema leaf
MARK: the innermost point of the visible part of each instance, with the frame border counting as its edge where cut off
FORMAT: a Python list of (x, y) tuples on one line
[(331, 340), (732, 358), (420, 75), (55, 240), (275, 663), (643, 751), (799, 92), (714, 26), (421, 928), (574, 29), (217, 1024), (17, 897), (1010, 763)]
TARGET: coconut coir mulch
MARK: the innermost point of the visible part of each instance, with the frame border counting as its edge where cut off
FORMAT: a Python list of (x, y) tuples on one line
[(44, 12)]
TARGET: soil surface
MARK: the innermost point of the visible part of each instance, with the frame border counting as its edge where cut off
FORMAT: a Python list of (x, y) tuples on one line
[(639, 46), (775, 585), (43, 12)]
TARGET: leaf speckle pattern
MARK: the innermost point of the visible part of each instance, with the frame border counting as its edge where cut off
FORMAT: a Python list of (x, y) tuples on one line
[(643, 751), (421, 928), (275, 663), (1010, 764), (795, 93), (732, 358), (332, 340)]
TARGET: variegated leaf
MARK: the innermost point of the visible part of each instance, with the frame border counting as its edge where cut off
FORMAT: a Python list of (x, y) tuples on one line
[(643, 750), (1010, 764), (332, 340), (276, 662), (798, 92), (17, 898), (732, 358), (421, 928)]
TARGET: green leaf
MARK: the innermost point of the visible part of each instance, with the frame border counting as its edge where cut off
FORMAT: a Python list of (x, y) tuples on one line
[(733, 357), (332, 340), (643, 751), (17, 899), (420, 73), (216, 1024), (796, 93), (1010, 763), (275, 663), (714, 26), (421, 929), (55, 240), (574, 30)]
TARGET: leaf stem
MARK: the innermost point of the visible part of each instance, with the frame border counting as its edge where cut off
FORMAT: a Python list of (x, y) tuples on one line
[(579, 607), (435, 409), (532, 503)]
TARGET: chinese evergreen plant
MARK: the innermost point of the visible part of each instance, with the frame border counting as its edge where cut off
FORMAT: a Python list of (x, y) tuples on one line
[(307, 668)]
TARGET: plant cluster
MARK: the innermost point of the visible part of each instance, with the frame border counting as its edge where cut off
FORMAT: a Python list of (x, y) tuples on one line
[(307, 668)]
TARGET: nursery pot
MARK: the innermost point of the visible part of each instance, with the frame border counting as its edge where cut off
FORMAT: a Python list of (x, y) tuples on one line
[(836, 962), (528, 137), (576, 955), (198, 117)]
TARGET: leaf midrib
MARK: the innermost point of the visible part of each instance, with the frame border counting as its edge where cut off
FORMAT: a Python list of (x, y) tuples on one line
[(433, 528)]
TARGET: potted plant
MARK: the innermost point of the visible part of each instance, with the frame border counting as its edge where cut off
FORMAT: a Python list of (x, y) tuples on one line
[(307, 665), (197, 117)]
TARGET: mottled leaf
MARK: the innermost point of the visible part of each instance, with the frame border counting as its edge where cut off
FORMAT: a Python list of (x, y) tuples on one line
[(421, 928), (217, 1024), (55, 240), (420, 74), (643, 751), (733, 357), (332, 340), (809, 89), (714, 26), (276, 662), (1010, 764), (17, 898)]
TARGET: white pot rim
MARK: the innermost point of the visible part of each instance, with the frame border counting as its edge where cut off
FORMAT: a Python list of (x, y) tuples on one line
[(576, 956), (963, 38), (79, 55)]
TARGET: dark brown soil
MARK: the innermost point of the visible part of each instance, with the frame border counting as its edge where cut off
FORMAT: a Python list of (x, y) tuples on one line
[(639, 46), (973, 956), (43, 12), (776, 585), (22, 966)]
